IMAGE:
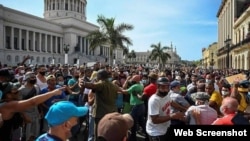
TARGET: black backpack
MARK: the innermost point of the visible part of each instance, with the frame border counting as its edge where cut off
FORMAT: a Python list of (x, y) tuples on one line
[(239, 119)]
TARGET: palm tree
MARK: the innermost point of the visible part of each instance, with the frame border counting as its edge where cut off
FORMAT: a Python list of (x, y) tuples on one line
[(132, 54), (111, 35), (159, 53)]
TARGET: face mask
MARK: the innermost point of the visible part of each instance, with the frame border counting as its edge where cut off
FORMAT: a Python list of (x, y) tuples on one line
[(208, 80), (22, 71), (110, 79), (61, 83), (77, 77), (224, 93), (32, 81), (144, 81), (163, 93), (133, 82), (42, 73)]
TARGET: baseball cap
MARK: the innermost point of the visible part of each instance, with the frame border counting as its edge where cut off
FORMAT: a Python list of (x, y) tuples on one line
[(28, 75), (203, 96), (114, 126), (62, 111), (49, 77), (174, 84), (9, 86)]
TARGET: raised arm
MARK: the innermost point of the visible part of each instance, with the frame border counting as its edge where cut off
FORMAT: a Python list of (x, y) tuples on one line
[(19, 106)]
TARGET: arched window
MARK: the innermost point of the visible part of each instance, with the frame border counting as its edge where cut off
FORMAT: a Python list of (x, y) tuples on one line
[(38, 59), (43, 59), (8, 58), (17, 59)]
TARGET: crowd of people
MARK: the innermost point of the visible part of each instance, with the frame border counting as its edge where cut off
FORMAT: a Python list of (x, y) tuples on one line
[(49, 102)]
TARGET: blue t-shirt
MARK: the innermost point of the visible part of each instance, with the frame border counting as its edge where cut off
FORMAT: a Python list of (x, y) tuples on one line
[(48, 137), (119, 101), (51, 101)]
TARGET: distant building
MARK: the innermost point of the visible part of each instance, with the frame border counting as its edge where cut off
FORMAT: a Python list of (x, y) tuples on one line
[(64, 25), (234, 34), (143, 58), (209, 57)]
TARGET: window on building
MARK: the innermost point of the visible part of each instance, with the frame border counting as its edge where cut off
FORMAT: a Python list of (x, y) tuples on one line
[(15, 43), (101, 50), (8, 58), (58, 45), (17, 59), (7, 44), (38, 59), (87, 45), (22, 46), (83, 44), (66, 6), (30, 48)]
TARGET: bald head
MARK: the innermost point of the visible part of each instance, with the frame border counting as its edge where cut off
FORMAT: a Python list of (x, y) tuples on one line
[(229, 105)]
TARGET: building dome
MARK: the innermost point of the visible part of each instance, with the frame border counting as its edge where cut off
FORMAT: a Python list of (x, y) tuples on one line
[(60, 9)]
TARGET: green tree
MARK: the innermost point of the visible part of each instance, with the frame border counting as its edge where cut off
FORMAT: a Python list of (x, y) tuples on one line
[(132, 54), (111, 35), (159, 53)]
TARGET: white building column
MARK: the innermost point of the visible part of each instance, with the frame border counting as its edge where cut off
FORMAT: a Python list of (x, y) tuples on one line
[(45, 5), (46, 42), (40, 42)]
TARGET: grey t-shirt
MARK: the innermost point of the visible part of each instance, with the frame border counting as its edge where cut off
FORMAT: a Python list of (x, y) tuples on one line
[(178, 98), (23, 92)]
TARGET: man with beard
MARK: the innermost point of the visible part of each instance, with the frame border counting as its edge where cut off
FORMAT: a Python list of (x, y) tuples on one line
[(61, 117), (28, 90), (159, 115)]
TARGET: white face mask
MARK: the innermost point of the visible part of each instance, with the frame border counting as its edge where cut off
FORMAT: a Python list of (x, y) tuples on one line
[(196, 102), (208, 80), (22, 71), (61, 83), (224, 93)]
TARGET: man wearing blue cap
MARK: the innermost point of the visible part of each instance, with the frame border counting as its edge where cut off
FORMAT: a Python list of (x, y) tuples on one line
[(61, 117)]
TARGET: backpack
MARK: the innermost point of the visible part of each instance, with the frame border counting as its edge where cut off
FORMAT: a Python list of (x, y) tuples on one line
[(239, 119)]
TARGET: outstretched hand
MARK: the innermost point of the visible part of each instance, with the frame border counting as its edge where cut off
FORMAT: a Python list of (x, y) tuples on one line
[(58, 91)]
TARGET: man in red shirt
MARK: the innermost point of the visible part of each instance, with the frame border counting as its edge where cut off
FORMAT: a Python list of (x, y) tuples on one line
[(229, 109), (149, 90)]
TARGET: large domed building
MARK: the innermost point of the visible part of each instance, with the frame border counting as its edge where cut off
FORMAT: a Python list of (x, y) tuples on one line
[(59, 37)]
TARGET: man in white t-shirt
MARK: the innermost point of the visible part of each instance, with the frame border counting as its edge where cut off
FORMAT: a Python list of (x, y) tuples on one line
[(159, 112)]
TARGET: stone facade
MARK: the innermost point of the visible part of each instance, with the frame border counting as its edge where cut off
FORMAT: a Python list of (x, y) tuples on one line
[(64, 26), (233, 25), (143, 58)]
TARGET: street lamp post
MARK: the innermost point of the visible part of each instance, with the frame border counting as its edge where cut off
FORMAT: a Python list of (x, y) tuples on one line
[(114, 57), (78, 61), (66, 50), (228, 43), (212, 60), (53, 59)]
